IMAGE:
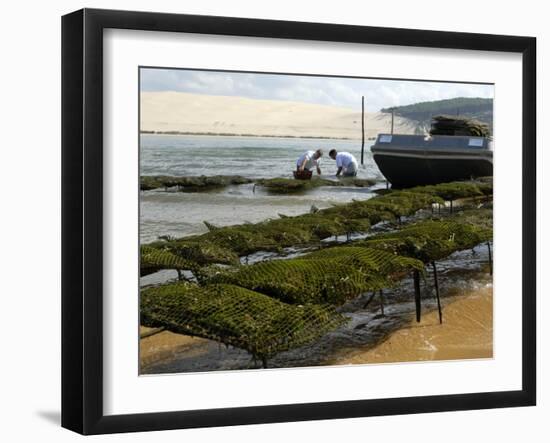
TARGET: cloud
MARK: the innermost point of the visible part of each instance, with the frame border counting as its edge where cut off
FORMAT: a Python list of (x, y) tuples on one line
[(334, 91)]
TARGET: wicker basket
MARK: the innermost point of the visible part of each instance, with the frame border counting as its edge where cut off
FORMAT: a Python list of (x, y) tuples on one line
[(303, 175)]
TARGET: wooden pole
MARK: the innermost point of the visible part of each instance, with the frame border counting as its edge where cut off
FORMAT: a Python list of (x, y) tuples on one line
[(152, 332), (436, 283), (416, 278), (369, 300), (362, 130), (490, 259)]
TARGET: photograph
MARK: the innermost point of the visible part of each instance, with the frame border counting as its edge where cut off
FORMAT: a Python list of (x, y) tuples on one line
[(298, 220)]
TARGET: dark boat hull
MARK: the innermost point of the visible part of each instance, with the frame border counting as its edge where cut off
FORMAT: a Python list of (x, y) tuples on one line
[(418, 164), (411, 171)]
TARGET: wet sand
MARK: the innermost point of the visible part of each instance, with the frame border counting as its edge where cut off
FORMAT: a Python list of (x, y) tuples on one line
[(466, 333), (166, 345)]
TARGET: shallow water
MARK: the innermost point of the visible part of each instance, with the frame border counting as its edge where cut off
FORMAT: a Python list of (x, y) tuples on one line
[(257, 157), (179, 214)]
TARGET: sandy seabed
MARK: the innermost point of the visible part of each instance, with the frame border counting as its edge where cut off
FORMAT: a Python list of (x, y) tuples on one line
[(466, 333), (166, 345)]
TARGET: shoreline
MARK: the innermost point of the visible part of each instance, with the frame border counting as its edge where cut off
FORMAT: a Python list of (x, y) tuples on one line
[(466, 333), (224, 134)]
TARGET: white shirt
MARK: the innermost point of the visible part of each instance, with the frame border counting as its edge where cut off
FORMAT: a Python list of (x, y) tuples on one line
[(310, 162), (345, 160)]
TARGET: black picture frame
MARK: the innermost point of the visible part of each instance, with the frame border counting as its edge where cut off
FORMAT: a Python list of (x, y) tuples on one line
[(82, 219)]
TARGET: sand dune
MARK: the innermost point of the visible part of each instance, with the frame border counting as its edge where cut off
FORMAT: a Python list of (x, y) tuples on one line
[(197, 113)]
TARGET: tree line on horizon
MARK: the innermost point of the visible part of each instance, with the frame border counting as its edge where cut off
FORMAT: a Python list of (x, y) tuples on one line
[(471, 107)]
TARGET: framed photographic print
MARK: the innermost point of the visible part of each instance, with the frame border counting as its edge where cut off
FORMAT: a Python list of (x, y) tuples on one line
[(269, 221)]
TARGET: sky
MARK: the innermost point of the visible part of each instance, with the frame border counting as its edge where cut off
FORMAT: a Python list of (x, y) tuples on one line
[(333, 91)]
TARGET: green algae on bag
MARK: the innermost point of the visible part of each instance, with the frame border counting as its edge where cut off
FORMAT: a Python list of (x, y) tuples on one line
[(455, 190), (236, 316), (155, 259), (281, 185), (198, 250), (332, 275), (191, 183), (431, 240)]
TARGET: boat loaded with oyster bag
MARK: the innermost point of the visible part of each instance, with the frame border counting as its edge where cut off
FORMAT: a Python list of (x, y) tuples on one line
[(455, 149)]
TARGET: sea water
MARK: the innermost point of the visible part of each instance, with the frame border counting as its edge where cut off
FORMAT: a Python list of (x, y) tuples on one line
[(180, 214)]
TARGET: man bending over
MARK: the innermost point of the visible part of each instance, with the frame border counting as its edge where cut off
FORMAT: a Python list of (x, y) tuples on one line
[(308, 160), (345, 162)]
